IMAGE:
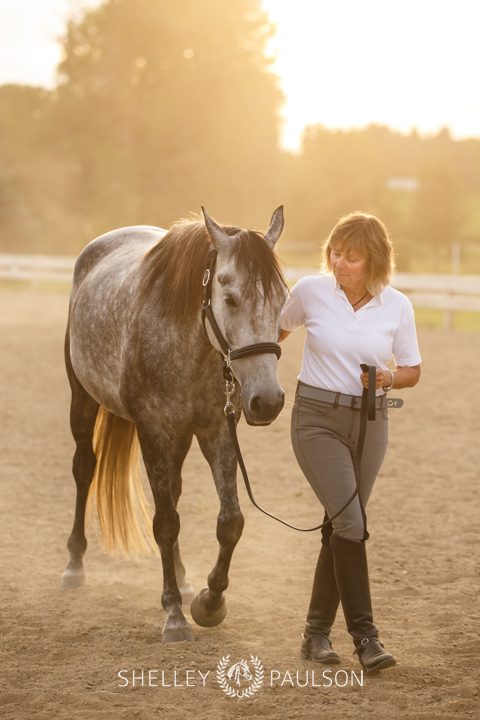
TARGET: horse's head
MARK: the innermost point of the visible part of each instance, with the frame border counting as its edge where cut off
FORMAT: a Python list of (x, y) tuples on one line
[(248, 293), (245, 670), (238, 670)]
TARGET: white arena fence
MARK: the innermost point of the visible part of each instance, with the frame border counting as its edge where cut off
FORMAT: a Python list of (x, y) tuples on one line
[(445, 292), (36, 268)]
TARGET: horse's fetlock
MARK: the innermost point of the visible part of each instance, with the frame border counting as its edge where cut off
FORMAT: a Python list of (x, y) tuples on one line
[(172, 604), (217, 587), (77, 548)]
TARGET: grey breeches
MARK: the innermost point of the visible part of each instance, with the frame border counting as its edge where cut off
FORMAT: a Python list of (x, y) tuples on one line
[(324, 440)]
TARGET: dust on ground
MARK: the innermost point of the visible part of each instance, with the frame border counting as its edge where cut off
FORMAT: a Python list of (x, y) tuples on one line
[(61, 651)]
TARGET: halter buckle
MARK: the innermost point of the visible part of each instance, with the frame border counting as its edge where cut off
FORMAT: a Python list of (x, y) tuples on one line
[(206, 278)]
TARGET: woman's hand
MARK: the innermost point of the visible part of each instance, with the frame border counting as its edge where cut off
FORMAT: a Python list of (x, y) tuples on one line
[(383, 378), (403, 377)]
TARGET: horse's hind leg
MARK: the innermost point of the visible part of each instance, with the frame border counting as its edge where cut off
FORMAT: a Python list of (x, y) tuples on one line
[(179, 452), (83, 413), (209, 607), (159, 451)]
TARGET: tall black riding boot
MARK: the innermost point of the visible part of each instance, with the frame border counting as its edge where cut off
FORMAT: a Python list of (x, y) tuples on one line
[(351, 573), (324, 602)]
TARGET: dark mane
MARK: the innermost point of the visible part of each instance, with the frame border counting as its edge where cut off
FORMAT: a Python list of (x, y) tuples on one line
[(180, 259)]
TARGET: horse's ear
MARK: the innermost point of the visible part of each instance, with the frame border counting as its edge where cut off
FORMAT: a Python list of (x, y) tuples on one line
[(276, 227), (218, 237)]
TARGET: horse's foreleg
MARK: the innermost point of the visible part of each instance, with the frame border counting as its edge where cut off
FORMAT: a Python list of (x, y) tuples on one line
[(83, 413), (157, 453), (209, 607)]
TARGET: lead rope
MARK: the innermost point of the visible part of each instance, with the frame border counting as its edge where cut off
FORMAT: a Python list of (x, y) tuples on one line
[(367, 412)]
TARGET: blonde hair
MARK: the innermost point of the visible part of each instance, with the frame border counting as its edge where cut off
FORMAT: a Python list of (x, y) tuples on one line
[(367, 236)]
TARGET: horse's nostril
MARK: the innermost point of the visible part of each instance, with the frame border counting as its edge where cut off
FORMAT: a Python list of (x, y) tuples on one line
[(256, 404), (261, 406)]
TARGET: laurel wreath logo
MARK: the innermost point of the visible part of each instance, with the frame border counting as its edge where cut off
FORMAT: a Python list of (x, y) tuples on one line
[(247, 692)]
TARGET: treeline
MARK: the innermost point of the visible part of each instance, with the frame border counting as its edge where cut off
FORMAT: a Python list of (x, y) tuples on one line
[(162, 107), (426, 189)]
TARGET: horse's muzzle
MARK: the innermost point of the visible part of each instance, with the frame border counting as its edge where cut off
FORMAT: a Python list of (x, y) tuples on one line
[(262, 409)]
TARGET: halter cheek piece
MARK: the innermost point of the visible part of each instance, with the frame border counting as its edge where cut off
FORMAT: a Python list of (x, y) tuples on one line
[(227, 354), (367, 411)]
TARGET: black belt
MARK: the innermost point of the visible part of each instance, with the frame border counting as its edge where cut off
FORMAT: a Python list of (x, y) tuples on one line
[(352, 401)]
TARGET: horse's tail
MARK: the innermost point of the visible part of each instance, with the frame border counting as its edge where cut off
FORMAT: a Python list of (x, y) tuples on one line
[(116, 492)]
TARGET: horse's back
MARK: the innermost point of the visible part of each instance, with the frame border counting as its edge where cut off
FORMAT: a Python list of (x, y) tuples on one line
[(116, 249)]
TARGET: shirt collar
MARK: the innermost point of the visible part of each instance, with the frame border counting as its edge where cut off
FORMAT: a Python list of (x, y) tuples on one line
[(374, 302)]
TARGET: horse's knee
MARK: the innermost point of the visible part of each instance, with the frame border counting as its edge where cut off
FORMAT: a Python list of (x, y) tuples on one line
[(230, 528)]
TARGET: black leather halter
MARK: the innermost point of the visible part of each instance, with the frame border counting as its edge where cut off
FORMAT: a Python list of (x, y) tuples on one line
[(207, 312)]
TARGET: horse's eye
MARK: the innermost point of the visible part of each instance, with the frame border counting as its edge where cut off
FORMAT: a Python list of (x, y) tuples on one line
[(230, 301)]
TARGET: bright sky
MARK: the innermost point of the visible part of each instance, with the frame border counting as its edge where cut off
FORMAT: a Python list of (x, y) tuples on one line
[(29, 29), (403, 63), (343, 63)]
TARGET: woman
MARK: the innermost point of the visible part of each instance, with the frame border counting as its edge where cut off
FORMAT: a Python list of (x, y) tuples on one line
[(352, 316)]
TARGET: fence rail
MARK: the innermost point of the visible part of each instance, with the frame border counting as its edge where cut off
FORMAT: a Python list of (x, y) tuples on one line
[(449, 293), (36, 268), (445, 292)]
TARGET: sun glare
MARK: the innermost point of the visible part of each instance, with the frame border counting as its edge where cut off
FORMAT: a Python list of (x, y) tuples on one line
[(403, 64)]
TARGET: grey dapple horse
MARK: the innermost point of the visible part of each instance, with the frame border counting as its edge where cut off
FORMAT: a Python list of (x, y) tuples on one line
[(144, 371)]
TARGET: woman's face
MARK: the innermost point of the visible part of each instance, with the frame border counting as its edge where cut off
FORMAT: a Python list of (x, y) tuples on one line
[(350, 268)]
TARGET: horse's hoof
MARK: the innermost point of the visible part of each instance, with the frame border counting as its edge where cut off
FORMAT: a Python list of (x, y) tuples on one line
[(177, 635), (72, 579), (187, 592), (202, 614)]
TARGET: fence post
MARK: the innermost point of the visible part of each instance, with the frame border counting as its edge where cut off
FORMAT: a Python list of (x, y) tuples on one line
[(455, 260), (448, 320)]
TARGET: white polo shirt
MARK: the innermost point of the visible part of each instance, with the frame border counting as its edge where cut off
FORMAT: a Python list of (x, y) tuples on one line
[(339, 339)]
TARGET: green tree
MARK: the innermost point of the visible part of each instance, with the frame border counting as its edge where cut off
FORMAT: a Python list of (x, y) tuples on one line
[(23, 119), (336, 173), (164, 106), (438, 210)]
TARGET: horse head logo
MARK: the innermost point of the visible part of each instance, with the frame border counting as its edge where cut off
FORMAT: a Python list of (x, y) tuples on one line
[(235, 673), (239, 670)]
